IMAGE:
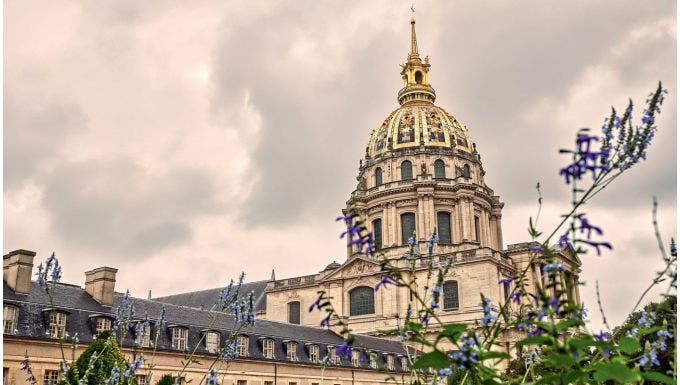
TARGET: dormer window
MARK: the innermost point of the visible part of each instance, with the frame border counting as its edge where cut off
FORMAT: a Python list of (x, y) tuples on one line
[(390, 362), (242, 346), (57, 327), (291, 351), (103, 324), (334, 359), (180, 336), (355, 358), (143, 337), (268, 348), (373, 362), (404, 363), (10, 315), (314, 353), (212, 341)]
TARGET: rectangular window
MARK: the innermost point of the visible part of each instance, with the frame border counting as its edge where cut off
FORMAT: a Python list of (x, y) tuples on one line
[(57, 324), (268, 348), (241, 382), (294, 312), (374, 361), (143, 338), (444, 227), (269, 383), (334, 358), (141, 379), (5, 376), (51, 377), (292, 383), (355, 358), (404, 363), (242, 343), (9, 318), (390, 362), (314, 353), (179, 338), (103, 325), (377, 233), (291, 351), (212, 342), (477, 233), (408, 227), (450, 291)]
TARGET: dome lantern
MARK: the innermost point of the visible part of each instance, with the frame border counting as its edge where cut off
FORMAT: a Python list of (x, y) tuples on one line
[(415, 74)]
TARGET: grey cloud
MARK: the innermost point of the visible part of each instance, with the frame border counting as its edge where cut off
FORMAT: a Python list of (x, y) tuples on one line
[(312, 136), (120, 206), (35, 130)]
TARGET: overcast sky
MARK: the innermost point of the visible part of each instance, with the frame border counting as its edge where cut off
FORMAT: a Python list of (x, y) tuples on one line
[(183, 142)]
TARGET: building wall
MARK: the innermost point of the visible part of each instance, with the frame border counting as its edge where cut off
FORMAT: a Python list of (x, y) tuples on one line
[(46, 355)]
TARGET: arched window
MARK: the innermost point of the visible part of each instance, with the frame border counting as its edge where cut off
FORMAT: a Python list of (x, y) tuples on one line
[(419, 77), (450, 291), (294, 312), (444, 227), (361, 301), (439, 171), (378, 176), (406, 170), (408, 226), (377, 233), (466, 171)]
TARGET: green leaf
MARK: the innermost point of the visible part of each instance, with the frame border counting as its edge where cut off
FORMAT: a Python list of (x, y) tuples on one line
[(629, 345), (453, 331), (535, 340), (614, 371), (567, 323), (658, 377), (434, 359), (416, 327), (489, 355)]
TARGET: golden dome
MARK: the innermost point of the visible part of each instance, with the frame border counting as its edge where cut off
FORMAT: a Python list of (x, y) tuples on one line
[(418, 122)]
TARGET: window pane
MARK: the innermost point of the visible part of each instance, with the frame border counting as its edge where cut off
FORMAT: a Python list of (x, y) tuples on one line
[(451, 295), (294, 312), (378, 176), (444, 227), (408, 226), (361, 301), (439, 171), (406, 170), (476, 228), (377, 233)]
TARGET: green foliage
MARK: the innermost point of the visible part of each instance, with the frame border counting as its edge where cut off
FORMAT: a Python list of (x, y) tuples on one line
[(167, 379), (107, 355)]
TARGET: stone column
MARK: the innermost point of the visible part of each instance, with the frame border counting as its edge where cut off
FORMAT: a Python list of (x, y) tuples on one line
[(420, 218), (455, 225), (385, 226)]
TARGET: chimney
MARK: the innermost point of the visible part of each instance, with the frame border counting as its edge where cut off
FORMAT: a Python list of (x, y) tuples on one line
[(17, 268), (100, 283)]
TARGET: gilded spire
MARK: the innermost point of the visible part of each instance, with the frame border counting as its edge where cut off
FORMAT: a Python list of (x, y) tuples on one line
[(414, 42)]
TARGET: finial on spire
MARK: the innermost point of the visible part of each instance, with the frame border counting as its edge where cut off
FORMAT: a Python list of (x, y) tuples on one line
[(414, 43)]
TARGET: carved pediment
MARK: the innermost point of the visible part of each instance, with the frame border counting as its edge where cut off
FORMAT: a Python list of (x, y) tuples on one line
[(358, 266)]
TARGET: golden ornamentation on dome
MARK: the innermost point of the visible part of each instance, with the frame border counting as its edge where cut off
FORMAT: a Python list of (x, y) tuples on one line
[(418, 121)]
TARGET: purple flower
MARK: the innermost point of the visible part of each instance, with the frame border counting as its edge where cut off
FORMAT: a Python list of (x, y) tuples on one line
[(326, 322), (506, 280), (344, 350), (385, 280), (536, 249), (554, 303), (516, 296), (563, 242), (426, 319), (487, 308), (554, 266), (318, 304)]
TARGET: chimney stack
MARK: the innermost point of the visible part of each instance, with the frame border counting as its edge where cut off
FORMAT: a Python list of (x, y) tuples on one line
[(100, 283), (17, 268)]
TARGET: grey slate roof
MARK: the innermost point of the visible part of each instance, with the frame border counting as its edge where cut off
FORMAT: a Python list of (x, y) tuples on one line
[(204, 299), (33, 323)]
